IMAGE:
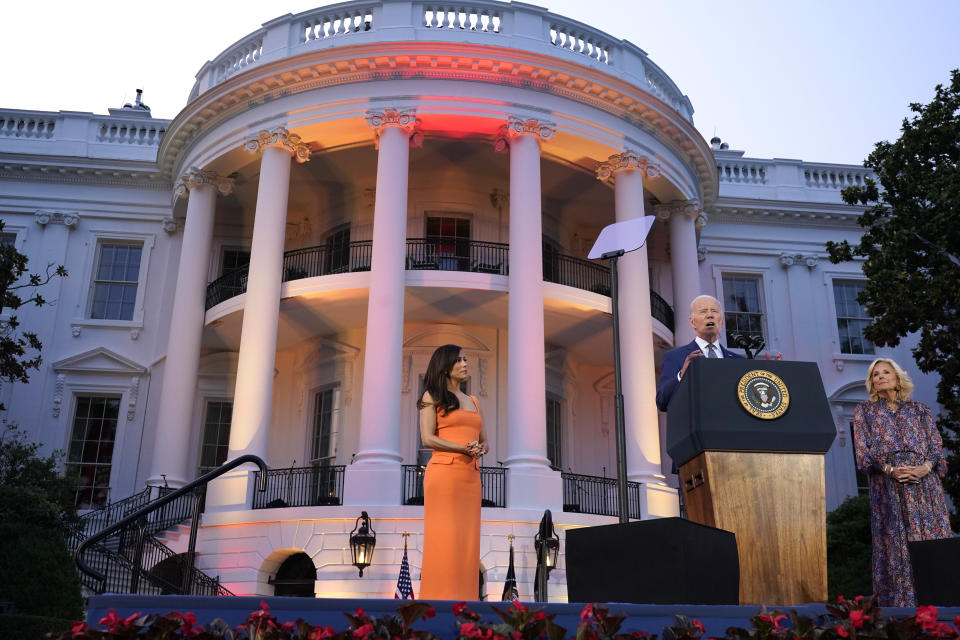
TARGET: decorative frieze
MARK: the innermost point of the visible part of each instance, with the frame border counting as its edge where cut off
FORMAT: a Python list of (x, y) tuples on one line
[(688, 208), (132, 395), (58, 394), (170, 225), (541, 129), (69, 219), (628, 160), (195, 177), (405, 119), (280, 137)]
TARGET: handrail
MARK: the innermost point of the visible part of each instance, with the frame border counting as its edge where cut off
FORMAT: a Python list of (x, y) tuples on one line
[(156, 504)]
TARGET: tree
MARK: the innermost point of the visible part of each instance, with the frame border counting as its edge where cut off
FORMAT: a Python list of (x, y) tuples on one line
[(909, 247), (20, 352)]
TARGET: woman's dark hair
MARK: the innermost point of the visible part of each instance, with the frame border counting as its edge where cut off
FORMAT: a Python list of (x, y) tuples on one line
[(436, 377)]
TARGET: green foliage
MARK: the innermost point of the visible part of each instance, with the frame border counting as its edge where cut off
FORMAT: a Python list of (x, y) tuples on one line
[(20, 351), (849, 547), (22, 466), (37, 571), (910, 245), (32, 627)]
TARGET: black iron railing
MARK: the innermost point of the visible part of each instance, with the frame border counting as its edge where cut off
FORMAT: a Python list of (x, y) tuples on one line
[(598, 496), (435, 255), (302, 487), (100, 519), (457, 255), (493, 482), (119, 558)]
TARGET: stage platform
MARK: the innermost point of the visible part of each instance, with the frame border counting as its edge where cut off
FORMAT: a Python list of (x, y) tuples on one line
[(329, 611)]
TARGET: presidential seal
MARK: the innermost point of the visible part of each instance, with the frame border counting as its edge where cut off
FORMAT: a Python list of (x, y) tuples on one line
[(763, 394)]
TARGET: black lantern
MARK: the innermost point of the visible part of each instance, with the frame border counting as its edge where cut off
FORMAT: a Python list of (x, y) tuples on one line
[(547, 544), (363, 539)]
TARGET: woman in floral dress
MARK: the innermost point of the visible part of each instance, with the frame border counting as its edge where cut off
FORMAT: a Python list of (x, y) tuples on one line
[(897, 444)]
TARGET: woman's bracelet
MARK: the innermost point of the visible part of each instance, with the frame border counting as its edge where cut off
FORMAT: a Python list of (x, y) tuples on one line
[(887, 470), (929, 465)]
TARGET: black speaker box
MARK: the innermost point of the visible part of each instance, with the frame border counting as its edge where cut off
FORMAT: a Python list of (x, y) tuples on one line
[(662, 561), (936, 567)]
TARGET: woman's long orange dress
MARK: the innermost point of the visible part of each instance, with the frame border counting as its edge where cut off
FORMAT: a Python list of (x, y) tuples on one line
[(451, 513)]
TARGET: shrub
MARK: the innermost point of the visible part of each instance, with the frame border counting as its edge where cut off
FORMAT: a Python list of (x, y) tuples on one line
[(849, 547)]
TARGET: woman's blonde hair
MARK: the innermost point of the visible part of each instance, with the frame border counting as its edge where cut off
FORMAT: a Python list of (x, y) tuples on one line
[(904, 383)]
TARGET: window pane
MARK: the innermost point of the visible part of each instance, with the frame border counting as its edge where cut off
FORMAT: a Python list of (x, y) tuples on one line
[(741, 301), (90, 452), (554, 428), (216, 435), (852, 318)]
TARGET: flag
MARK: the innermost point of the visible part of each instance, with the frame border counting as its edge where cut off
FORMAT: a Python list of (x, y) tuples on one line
[(404, 586), (510, 592)]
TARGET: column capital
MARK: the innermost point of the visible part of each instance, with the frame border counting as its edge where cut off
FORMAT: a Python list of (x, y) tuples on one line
[(69, 219), (626, 161), (515, 127), (194, 177), (281, 138), (405, 119), (788, 260), (688, 208)]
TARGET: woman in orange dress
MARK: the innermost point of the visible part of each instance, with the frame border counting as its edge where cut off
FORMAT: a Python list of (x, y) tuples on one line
[(451, 425)]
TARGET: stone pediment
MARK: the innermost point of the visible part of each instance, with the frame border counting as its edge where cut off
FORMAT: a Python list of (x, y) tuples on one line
[(98, 360)]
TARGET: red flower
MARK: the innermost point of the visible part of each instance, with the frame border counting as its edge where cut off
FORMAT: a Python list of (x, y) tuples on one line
[(956, 622), (639, 634), (942, 630), (927, 616), (587, 612), (360, 613), (841, 631), (322, 634), (696, 624), (519, 607), (858, 599), (516, 635), (539, 615), (78, 629), (361, 632), (288, 626), (840, 599), (430, 613), (110, 619), (856, 618), (460, 608), (773, 621), (468, 629)]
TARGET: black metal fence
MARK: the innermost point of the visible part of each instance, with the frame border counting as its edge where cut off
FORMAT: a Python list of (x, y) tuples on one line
[(100, 519), (598, 496), (301, 487), (493, 482), (445, 254), (457, 255)]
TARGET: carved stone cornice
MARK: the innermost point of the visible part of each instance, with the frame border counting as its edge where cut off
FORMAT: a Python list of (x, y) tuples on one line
[(196, 177), (628, 160), (405, 119), (281, 138), (69, 219), (541, 129)]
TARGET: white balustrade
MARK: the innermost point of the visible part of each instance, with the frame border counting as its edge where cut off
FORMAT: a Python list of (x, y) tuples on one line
[(742, 171), (329, 22), (567, 35), (245, 53), (26, 126), (826, 177), (461, 16), (130, 132)]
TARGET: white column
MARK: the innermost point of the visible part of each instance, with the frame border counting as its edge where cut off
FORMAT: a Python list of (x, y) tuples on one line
[(253, 394), (374, 476), (531, 484), (685, 218), (636, 342), (174, 450)]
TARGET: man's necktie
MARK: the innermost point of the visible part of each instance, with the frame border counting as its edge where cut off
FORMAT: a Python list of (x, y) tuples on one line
[(712, 351)]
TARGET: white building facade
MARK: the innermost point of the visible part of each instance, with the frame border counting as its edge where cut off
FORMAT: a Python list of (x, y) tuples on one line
[(351, 187)]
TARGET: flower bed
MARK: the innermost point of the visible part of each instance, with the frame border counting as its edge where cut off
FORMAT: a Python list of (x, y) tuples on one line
[(854, 619)]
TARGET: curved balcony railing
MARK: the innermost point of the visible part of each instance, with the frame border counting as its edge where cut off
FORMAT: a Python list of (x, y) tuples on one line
[(434, 255), (517, 26)]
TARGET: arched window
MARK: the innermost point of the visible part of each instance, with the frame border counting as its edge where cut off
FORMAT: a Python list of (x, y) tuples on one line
[(295, 577)]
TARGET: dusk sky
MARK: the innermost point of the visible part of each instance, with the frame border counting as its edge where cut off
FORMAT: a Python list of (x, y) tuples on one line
[(817, 80)]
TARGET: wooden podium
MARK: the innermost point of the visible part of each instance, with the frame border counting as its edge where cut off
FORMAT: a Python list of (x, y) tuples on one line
[(757, 470)]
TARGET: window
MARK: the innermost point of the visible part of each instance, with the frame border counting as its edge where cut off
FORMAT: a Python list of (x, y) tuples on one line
[(554, 427), (338, 251), (234, 259), (551, 261), (7, 239), (115, 281), (91, 449), (852, 318), (450, 239), (324, 447), (741, 303), (216, 435)]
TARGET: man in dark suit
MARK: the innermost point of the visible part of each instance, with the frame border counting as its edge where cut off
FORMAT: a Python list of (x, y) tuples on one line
[(706, 318)]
